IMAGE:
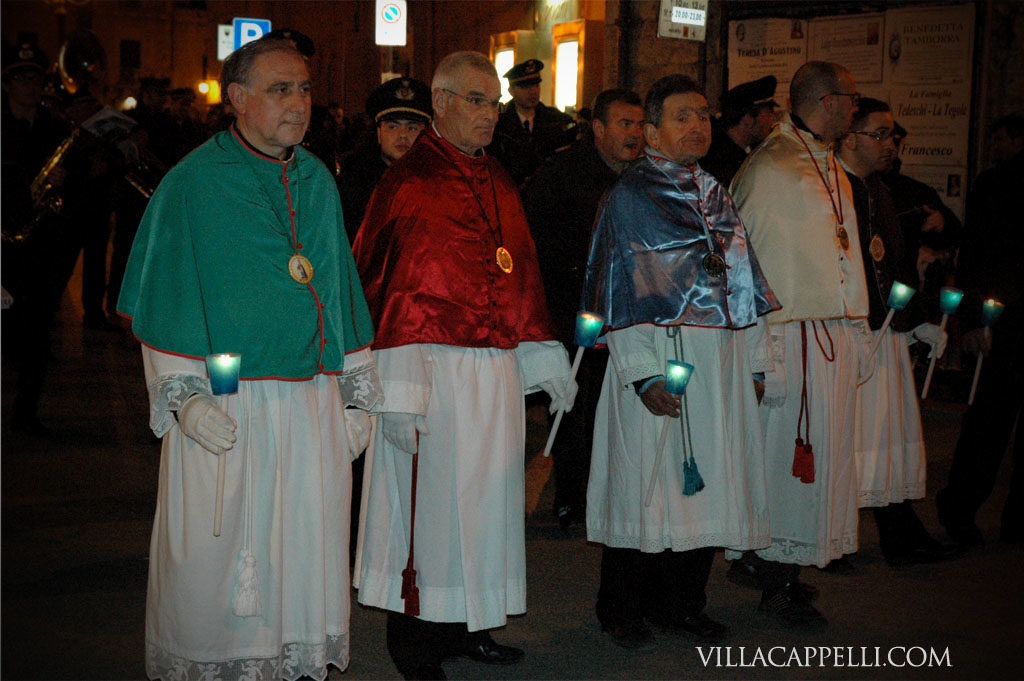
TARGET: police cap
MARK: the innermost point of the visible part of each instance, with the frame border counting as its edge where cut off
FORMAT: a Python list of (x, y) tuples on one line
[(400, 98), (526, 73), (24, 56), (750, 94), (302, 42)]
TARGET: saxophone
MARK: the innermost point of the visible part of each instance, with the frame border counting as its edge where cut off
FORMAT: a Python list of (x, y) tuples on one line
[(46, 200)]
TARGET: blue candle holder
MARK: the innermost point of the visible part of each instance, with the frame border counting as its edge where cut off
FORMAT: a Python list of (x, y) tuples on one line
[(900, 295), (990, 312), (223, 368), (677, 375), (588, 328), (949, 299)]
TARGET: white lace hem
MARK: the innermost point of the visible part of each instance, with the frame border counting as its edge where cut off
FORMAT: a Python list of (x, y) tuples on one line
[(874, 498), (730, 540), (295, 660), (810, 553)]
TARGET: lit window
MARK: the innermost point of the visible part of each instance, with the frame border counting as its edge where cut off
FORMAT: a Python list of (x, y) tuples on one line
[(566, 72), (503, 61)]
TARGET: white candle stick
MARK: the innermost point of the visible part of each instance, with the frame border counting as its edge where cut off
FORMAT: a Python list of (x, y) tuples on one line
[(657, 462), (931, 364), (977, 370), (558, 416), (222, 458), (881, 333)]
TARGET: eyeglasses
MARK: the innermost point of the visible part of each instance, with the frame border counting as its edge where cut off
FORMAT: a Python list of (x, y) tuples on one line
[(882, 136), (854, 96), (476, 100)]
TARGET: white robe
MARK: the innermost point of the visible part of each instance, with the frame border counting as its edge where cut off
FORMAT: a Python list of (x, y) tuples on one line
[(890, 456), (293, 450), (813, 523), (732, 510), (470, 544)]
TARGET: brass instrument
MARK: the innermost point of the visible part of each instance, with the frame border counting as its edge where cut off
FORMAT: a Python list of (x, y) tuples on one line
[(46, 200)]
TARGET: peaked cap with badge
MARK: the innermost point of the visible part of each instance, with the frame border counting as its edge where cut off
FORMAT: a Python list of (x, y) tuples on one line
[(24, 56), (400, 99), (750, 94), (525, 74)]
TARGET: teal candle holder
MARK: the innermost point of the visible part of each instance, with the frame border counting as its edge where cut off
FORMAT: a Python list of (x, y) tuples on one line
[(223, 368), (899, 295), (588, 329), (991, 310), (677, 376), (949, 299)]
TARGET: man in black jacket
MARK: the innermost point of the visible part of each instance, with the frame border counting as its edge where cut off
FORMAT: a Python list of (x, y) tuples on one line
[(528, 132), (748, 115), (561, 202)]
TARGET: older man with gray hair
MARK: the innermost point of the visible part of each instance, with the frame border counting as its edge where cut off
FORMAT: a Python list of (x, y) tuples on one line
[(454, 290)]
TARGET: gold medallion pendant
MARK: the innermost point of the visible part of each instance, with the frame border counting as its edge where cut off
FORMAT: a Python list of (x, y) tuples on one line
[(877, 248), (504, 259), (300, 268), (844, 238), (713, 264)]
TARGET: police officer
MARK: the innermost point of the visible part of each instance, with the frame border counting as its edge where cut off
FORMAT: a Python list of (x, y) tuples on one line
[(748, 115), (400, 109), (528, 132)]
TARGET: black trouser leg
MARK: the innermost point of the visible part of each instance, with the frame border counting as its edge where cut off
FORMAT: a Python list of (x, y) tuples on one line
[(899, 528), (413, 642), (571, 450), (676, 586), (619, 596)]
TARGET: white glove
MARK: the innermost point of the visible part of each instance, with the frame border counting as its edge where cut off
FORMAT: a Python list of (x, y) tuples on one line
[(358, 428), (400, 429), (201, 419), (933, 336), (775, 388), (562, 396)]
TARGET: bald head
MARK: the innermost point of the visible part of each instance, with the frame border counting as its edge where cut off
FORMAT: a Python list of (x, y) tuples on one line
[(824, 95)]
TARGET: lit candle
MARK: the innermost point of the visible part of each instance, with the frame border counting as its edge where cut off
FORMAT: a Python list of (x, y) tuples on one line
[(990, 312), (677, 375), (899, 295), (588, 328), (223, 369), (949, 301)]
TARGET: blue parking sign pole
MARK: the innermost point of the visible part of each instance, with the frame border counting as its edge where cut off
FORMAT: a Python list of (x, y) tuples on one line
[(246, 30)]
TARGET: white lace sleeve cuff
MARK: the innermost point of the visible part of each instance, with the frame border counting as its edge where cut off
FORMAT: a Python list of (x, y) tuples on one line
[(360, 384), (633, 355), (170, 380), (541, 361)]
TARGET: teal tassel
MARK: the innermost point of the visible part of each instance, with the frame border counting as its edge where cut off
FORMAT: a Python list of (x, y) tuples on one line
[(692, 482)]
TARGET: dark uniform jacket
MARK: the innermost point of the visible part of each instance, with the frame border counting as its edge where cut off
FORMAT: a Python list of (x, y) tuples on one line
[(561, 203), (884, 252), (724, 156), (360, 172), (521, 152)]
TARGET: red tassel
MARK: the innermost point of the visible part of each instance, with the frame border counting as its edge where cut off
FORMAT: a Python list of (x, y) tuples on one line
[(807, 475), (410, 592), (799, 460)]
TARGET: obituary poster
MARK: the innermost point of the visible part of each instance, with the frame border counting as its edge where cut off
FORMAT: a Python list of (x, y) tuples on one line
[(767, 47), (853, 41), (928, 71)]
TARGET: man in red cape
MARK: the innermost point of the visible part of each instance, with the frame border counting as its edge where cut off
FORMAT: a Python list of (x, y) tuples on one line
[(463, 332)]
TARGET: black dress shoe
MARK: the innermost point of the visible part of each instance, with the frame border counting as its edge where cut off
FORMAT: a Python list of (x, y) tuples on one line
[(743, 573), (430, 671), (701, 626), (481, 647), (789, 606), (631, 634)]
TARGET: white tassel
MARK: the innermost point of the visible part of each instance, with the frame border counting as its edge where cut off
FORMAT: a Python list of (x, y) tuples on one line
[(247, 600)]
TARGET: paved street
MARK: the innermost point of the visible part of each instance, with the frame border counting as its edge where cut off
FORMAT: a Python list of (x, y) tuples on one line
[(78, 504)]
